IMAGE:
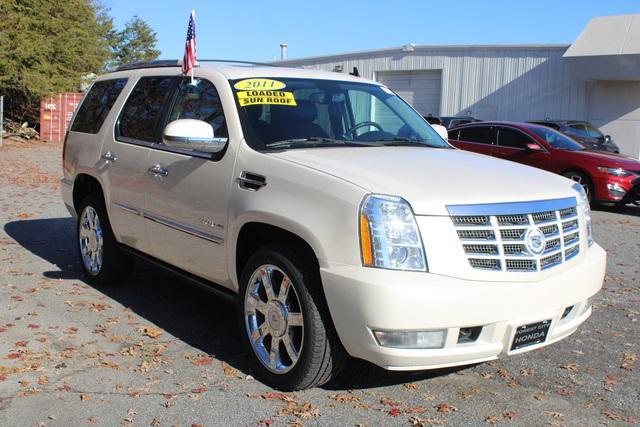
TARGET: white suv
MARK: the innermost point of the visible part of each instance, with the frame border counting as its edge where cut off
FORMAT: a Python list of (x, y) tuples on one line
[(334, 215)]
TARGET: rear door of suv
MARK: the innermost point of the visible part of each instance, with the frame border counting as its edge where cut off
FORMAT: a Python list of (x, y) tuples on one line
[(128, 147)]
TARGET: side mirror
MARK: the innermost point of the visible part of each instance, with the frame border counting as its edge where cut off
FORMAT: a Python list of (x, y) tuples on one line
[(195, 135), (442, 131), (607, 138), (532, 146)]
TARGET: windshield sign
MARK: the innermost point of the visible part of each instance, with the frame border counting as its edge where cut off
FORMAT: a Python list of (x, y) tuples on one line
[(309, 113)]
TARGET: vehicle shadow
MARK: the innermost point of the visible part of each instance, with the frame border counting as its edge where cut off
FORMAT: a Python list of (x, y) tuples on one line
[(630, 210), (189, 313)]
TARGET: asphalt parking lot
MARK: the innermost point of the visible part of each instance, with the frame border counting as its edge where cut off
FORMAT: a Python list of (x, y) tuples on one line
[(156, 351)]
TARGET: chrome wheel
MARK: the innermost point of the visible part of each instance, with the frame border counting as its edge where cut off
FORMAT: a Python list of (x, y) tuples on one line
[(273, 319), (91, 242), (583, 182)]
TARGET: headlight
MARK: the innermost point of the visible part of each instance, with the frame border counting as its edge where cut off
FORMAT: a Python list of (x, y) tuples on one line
[(583, 206), (615, 171), (389, 235)]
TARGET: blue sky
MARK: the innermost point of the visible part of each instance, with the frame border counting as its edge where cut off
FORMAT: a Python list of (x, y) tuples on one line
[(252, 30)]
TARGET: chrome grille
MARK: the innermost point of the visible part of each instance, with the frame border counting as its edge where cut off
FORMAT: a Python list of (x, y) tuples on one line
[(476, 235), (494, 237)]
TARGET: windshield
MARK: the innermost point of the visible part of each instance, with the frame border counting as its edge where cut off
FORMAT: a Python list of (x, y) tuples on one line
[(557, 140), (309, 113)]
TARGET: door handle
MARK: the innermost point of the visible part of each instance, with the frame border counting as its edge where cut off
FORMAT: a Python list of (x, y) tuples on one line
[(158, 170), (109, 157)]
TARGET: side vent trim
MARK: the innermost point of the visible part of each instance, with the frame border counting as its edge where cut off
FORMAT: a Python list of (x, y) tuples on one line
[(251, 181)]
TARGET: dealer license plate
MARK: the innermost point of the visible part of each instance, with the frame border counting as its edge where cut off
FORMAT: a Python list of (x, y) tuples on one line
[(531, 334)]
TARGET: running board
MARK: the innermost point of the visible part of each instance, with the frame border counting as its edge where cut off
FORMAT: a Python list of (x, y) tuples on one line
[(204, 284)]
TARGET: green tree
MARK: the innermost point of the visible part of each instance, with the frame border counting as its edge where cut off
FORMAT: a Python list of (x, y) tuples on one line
[(46, 47), (136, 42)]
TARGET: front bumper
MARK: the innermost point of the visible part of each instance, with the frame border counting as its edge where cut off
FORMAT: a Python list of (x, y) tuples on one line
[(618, 190), (364, 299)]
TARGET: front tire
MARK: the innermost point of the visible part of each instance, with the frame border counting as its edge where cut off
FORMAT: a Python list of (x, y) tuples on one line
[(584, 181), (284, 320), (101, 259)]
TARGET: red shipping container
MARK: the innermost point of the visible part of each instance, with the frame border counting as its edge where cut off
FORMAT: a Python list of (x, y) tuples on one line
[(56, 112)]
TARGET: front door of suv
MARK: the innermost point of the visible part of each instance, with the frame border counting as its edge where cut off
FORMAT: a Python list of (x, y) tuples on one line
[(186, 204)]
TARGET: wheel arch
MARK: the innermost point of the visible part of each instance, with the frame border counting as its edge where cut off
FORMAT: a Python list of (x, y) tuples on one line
[(85, 184), (254, 233)]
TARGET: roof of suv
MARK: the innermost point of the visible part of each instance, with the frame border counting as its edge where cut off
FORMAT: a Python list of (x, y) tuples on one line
[(239, 69)]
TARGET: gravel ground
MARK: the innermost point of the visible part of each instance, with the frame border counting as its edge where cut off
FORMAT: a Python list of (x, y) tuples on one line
[(157, 351)]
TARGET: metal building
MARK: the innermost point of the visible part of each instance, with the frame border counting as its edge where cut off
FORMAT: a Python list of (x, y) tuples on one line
[(597, 78)]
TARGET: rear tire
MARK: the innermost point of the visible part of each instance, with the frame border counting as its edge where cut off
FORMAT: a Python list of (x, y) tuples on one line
[(584, 181), (307, 351), (101, 259)]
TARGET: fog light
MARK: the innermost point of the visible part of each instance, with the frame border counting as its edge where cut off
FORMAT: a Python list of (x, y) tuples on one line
[(411, 339), (616, 191), (566, 312)]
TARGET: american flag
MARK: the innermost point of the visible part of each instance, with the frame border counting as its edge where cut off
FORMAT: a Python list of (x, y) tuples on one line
[(189, 60)]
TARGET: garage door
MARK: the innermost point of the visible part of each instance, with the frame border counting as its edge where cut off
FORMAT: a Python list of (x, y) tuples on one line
[(422, 89), (614, 107)]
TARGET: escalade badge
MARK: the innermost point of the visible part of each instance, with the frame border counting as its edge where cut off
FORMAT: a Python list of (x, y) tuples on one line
[(535, 241)]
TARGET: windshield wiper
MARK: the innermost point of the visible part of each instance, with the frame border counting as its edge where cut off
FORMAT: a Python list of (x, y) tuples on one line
[(404, 141), (317, 140)]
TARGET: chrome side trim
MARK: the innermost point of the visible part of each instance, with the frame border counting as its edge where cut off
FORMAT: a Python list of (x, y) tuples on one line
[(184, 228), (513, 208), (127, 208), (171, 224)]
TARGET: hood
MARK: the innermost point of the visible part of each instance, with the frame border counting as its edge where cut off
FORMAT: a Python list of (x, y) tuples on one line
[(430, 178), (611, 160)]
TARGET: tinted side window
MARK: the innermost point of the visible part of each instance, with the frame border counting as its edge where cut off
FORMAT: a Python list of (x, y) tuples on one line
[(577, 129), (96, 105), (142, 111), (480, 135), (453, 134), (513, 138), (200, 102)]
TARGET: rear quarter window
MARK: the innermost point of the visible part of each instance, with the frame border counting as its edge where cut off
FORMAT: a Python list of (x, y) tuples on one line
[(96, 105)]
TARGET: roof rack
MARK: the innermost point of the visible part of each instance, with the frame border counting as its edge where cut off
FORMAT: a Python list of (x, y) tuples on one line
[(177, 63)]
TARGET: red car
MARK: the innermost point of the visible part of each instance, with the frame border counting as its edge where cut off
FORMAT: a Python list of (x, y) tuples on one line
[(606, 177)]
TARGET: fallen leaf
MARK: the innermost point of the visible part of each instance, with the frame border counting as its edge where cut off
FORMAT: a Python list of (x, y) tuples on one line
[(155, 422), (265, 422), (202, 361), (229, 371), (43, 380), (389, 402), (491, 419), (272, 395), (33, 326), (573, 367), (410, 386), (344, 397), (445, 408), (21, 343), (394, 412), (84, 397), (24, 215), (199, 390), (152, 332), (511, 415)]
